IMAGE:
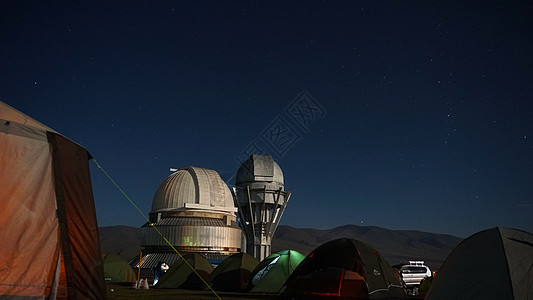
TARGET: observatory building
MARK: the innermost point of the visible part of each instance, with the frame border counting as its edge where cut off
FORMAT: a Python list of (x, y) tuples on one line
[(194, 209), (260, 196)]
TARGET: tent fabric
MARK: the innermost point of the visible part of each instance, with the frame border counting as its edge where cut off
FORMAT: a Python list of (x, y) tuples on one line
[(351, 255), (181, 276), (274, 270), (330, 283), (49, 231), (233, 274), (11, 114), (254, 280), (117, 269), (496, 263)]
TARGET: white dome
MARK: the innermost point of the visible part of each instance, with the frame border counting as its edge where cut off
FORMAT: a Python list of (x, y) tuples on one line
[(193, 188), (259, 168)]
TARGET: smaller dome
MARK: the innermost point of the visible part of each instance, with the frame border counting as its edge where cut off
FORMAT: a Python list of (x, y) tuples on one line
[(259, 168), (193, 188)]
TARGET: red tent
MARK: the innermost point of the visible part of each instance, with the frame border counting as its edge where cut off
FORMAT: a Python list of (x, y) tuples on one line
[(50, 247)]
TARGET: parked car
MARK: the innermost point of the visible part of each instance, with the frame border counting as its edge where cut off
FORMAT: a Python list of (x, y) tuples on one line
[(414, 272)]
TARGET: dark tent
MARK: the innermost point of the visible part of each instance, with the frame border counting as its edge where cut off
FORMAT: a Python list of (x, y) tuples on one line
[(270, 275), (344, 268), (495, 263), (117, 269), (50, 246), (330, 282), (181, 276), (233, 274)]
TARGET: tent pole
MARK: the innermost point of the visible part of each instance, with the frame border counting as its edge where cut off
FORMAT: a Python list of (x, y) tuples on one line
[(140, 258)]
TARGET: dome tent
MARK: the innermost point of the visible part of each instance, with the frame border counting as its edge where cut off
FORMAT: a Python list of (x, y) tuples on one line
[(344, 268), (233, 274), (496, 263), (117, 269), (271, 273), (329, 283), (47, 214), (181, 276)]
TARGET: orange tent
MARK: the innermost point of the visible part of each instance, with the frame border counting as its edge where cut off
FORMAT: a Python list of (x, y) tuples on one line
[(50, 247)]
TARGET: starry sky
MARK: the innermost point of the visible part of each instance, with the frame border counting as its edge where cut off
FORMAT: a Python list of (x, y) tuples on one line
[(404, 115)]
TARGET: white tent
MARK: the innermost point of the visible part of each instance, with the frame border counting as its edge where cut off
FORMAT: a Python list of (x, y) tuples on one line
[(493, 264), (50, 247)]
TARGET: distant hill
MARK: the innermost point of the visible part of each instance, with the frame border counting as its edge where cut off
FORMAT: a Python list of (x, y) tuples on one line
[(394, 245), (122, 240)]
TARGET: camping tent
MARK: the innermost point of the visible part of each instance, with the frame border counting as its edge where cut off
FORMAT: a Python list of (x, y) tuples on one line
[(271, 273), (329, 283), (233, 274), (344, 268), (495, 263), (117, 269), (50, 247), (181, 276)]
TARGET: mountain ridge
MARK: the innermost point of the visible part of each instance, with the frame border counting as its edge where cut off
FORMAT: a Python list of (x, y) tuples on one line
[(394, 245)]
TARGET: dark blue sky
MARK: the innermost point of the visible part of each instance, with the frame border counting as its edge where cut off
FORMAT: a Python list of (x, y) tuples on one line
[(423, 110)]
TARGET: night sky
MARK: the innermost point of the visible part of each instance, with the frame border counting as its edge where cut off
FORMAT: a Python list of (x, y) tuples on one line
[(399, 114)]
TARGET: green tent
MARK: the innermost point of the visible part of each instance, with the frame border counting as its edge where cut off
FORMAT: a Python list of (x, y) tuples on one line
[(181, 276), (344, 268), (496, 263), (117, 269), (270, 275), (233, 274)]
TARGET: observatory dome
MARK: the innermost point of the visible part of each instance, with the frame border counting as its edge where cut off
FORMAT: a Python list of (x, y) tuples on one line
[(194, 211), (193, 188), (260, 196), (259, 168)]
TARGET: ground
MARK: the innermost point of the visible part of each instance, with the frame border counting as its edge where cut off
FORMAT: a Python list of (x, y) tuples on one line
[(121, 292), (116, 292)]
